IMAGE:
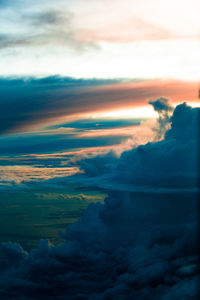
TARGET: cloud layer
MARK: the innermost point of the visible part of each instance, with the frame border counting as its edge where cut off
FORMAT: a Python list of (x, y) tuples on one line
[(136, 244), (32, 104)]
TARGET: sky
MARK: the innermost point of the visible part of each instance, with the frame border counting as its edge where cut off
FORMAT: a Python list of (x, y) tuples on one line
[(133, 39), (99, 117)]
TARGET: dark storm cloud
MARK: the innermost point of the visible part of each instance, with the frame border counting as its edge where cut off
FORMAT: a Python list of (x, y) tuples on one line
[(133, 246)]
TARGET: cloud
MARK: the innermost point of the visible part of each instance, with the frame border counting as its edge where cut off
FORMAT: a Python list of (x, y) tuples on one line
[(52, 142), (32, 100), (46, 24), (167, 164), (98, 165), (34, 103), (134, 245), (125, 31), (163, 108), (44, 27), (21, 174), (161, 105), (100, 124), (131, 21), (69, 38)]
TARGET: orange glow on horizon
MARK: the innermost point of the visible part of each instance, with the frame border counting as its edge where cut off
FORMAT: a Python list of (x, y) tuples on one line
[(119, 100)]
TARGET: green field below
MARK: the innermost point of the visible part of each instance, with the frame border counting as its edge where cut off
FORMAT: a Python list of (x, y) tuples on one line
[(27, 216)]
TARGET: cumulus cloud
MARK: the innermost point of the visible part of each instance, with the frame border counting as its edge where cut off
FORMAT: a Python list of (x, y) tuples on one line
[(134, 245), (163, 108), (167, 164)]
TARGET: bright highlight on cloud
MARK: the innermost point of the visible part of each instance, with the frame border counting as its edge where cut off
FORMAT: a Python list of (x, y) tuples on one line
[(23, 174)]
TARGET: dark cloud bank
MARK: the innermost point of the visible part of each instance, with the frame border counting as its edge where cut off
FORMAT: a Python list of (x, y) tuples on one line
[(138, 245), (28, 104), (29, 101)]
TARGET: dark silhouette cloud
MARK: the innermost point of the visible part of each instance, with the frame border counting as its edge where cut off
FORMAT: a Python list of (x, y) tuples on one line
[(134, 246), (161, 105), (163, 108)]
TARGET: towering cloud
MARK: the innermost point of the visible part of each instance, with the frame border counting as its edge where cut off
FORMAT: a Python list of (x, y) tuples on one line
[(163, 108), (139, 243)]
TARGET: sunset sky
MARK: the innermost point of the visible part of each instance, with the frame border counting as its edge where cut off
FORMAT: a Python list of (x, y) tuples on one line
[(77, 76), (99, 100), (100, 39)]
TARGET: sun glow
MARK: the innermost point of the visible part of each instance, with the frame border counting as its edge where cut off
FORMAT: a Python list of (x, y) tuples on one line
[(194, 104), (139, 112), (145, 111)]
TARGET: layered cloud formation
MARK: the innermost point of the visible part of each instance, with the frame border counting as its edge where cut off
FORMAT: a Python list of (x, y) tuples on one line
[(139, 243), (31, 104)]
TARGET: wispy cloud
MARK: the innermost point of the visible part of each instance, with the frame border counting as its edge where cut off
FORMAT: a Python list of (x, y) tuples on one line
[(125, 31), (76, 38), (22, 174), (50, 27)]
